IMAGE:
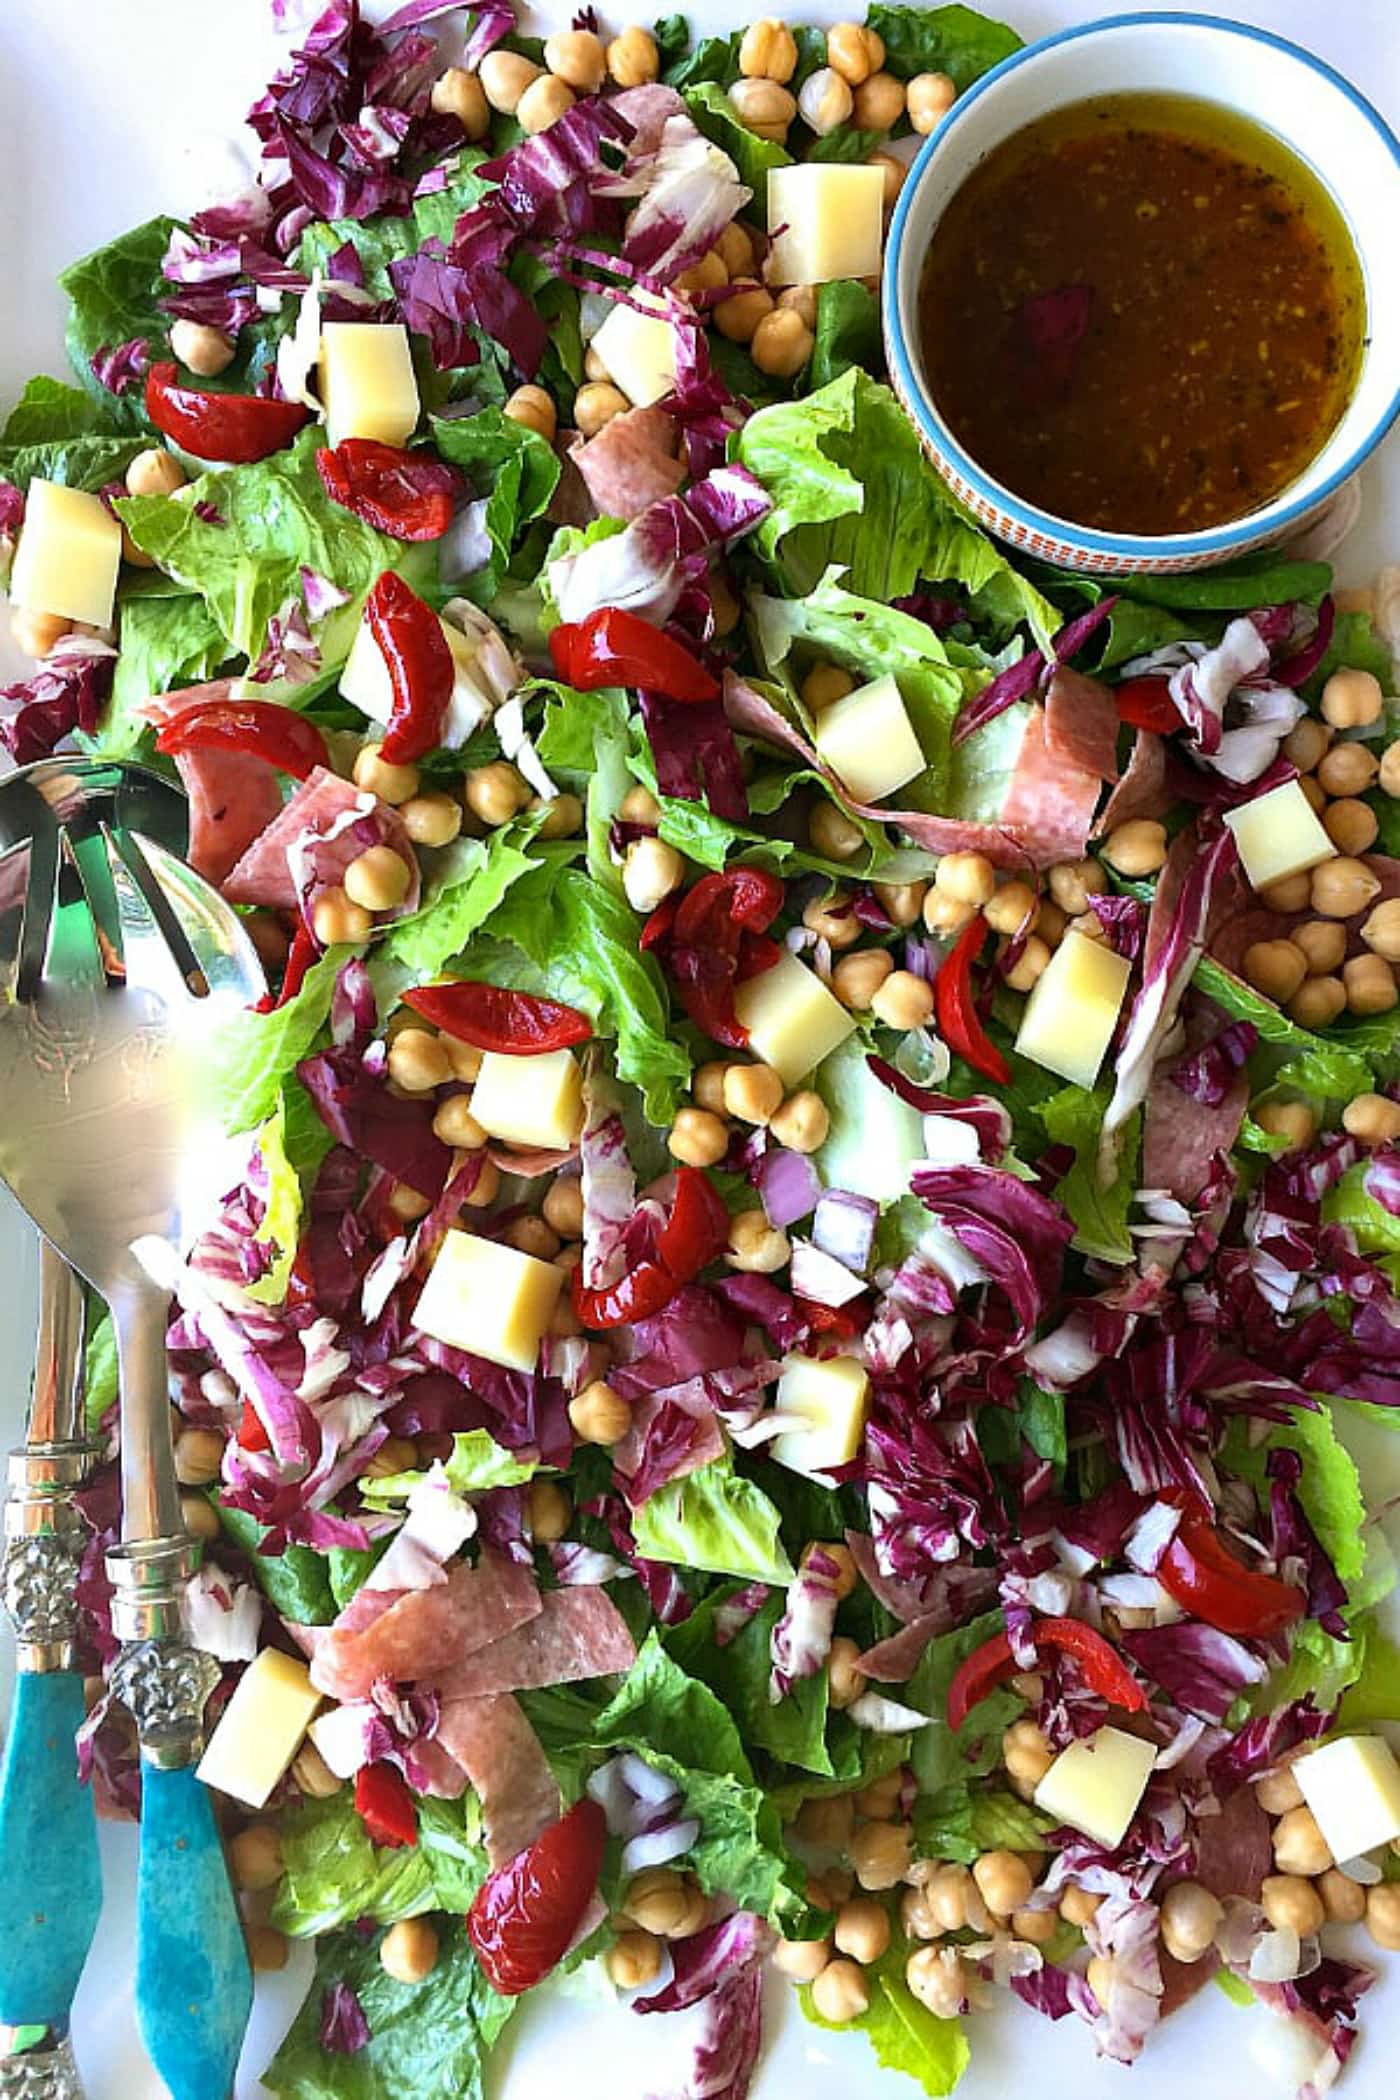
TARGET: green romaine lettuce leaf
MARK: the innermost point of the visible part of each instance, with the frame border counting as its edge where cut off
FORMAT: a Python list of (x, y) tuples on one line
[(1347, 1203), (333, 1874), (99, 1365), (113, 294), (47, 411), (961, 1825), (254, 1053), (848, 318), (904, 2035), (1074, 1117), (954, 40), (738, 1673), (584, 743), (477, 1462), (385, 239), (467, 882), (943, 1758), (280, 1229), (295, 1582), (513, 466), (714, 1519), (166, 643), (715, 115)]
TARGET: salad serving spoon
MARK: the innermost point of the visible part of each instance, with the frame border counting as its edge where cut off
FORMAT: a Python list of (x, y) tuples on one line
[(118, 967)]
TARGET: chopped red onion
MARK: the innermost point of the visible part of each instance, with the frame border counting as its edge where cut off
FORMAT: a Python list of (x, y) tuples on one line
[(821, 1278), (844, 1227)]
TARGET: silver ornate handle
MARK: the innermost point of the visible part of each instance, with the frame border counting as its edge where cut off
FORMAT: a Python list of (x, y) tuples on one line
[(160, 1676), (37, 2064)]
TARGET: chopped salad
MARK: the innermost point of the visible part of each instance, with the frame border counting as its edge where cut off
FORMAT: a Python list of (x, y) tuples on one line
[(823, 1180)]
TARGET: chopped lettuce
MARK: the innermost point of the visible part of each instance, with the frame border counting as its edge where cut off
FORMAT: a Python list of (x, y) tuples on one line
[(793, 1728), (464, 886), (1074, 1117), (166, 642), (514, 467), (961, 1825), (716, 116), (255, 1052), (714, 1519), (584, 743), (904, 2035), (388, 237), (477, 1462), (112, 295), (280, 1229), (99, 1366), (848, 325), (333, 1874), (296, 1582), (943, 1757)]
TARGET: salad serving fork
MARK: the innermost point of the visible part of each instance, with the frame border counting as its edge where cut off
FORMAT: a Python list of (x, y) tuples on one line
[(117, 967)]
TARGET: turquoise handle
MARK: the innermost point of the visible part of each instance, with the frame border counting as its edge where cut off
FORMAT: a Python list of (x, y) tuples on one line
[(194, 1989), (48, 1848)]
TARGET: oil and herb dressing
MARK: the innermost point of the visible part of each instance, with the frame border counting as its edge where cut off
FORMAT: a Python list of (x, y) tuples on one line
[(1142, 313)]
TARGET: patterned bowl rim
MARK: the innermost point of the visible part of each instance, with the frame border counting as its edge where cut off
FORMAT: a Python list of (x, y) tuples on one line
[(1220, 540)]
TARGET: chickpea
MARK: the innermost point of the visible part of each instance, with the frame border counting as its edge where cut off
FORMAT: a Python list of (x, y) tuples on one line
[(856, 978), (880, 1800), (764, 108), (633, 58), (902, 902), (1388, 778), (549, 1509), (698, 1139), (633, 1959), (1352, 699), (833, 919), (1383, 1914), (1343, 1899), (825, 101), (505, 75), (903, 1001), (1323, 944), (255, 1857), (707, 1085), (705, 276), (929, 97), (203, 350), (135, 557), (756, 1247), (313, 1775), (464, 1058), (201, 1519), (1073, 882), (952, 1899), (1191, 1916), (1292, 1120), (595, 406), (916, 1918), (1279, 1791), (1306, 742), (840, 1993), (831, 832), (1370, 985), (1343, 887), (577, 57), (378, 879), (458, 93), (1003, 1880), (879, 102), (879, 1854), (826, 1820), (1347, 769), (563, 1206), (1030, 964), (1290, 894), (802, 1123), (650, 871), (533, 407), (825, 684), (563, 815), (862, 1929), (1027, 1756), (34, 633), (1317, 1003), (936, 1977), (1078, 1905), (408, 1206), (1035, 1926), (801, 299), (781, 344), (1299, 1846), (659, 1899), (1313, 793), (1138, 848), (1275, 968), (267, 1949), (496, 793), (969, 878), (154, 472), (894, 171), (854, 51), (845, 1683), (802, 1960), (1352, 826), (409, 1950), (737, 318), (768, 50), (1381, 931), (752, 1092), (543, 103), (393, 784), (397, 1454), (1008, 908), (418, 1062), (532, 1235), (199, 1457), (432, 820), (1291, 1904), (1373, 1119), (455, 1124)]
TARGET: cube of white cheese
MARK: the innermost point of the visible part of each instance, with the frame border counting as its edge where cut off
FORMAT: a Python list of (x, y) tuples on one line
[(639, 352), (1073, 1009), (1095, 1784), (489, 1298), (530, 1100), (368, 385), (1352, 1787), (868, 741), (792, 1019), (832, 1396), (827, 220), (366, 685), (70, 548), (260, 1730), (1278, 834)]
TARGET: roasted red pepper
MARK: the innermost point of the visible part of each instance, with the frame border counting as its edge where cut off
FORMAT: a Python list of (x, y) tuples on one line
[(258, 728), (408, 495), (518, 1024), (612, 647), (303, 952), (696, 1233), (955, 1009), (237, 428), (414, 648), (524, 1916), (1103, 1668), (384, 1805), (715, 941), (251, 1434), (1202, 1574), (1146, 703)]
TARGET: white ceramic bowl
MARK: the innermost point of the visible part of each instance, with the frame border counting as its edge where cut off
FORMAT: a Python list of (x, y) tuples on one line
[(1321, 116)]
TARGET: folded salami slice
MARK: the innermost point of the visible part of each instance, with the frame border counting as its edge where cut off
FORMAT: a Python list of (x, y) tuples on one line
[(1144, 790), (1081, 723), (500, 1753), (1234, 1852), (577, 1633), (630, 463), (419, 1633), (233, 796), (328, 823)]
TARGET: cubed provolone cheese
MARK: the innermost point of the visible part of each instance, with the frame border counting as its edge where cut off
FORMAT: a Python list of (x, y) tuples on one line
[(831, 1395), (639, 353), (260, 1730), (1095, 1784), (368, 385), (827, 219), (70, 548), (365, 684), (1352, 1787), (1278, 834), (530, 1100), (792, 1019), (868, 741), (489, 1298), (1073, 1009)]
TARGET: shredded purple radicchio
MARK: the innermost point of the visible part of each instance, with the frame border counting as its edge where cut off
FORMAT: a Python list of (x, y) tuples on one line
[(801, 1639), (120, 366), (344, 2028), (67, 692), (1029, 672), (1206, 1076)]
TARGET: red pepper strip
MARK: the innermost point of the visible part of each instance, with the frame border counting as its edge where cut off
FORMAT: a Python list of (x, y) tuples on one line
[(303, 953), (524, 1916), (659, 925), (238, 428), (1201, 1573), (749, 897), (720, 921), (412, 644), (1146, 703), (518, 1024), (612, 647), (694, 1234), (839, 1323), (251, 1434), (993, 1662), (956, 1013), (408, 495), (257, 728), (385, 1806)]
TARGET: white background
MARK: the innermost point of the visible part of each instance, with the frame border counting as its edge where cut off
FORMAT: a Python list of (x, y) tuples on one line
[(110, 111)]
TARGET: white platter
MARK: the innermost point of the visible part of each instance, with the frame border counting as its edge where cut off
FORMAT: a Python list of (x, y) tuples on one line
[(114, 111)]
